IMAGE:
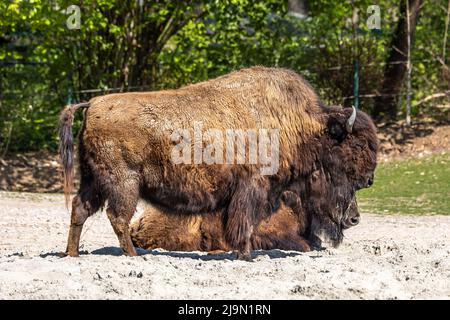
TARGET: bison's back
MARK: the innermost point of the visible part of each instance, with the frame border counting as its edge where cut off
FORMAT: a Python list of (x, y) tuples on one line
[(251, 98)]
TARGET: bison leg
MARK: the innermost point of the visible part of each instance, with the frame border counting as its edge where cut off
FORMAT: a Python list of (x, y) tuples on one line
[(238, 230), (121, 226), (122, 204), (80, 212), (240, 219)]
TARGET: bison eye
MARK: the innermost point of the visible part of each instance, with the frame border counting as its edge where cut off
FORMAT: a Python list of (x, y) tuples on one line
[(336, 130), (373, 146)]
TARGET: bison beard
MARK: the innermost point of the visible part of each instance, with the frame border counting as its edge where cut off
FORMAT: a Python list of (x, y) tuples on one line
[(125, 154)]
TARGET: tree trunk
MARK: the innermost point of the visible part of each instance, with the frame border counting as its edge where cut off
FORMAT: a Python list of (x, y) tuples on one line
[(395, 69)]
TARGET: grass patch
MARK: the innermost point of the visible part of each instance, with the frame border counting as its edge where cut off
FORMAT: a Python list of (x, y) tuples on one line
[(413, 186)]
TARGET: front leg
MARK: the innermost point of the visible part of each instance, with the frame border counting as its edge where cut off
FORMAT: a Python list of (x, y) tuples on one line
[(247, 207), (238, 231)]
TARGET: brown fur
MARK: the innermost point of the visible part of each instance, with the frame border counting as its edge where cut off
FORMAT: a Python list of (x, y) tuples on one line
[(159, 229), (125, 154)]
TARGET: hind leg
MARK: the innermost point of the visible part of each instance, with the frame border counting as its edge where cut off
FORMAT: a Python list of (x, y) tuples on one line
[(82, 208), (121, 225), (78, 217), (88, 201), (121, 207)]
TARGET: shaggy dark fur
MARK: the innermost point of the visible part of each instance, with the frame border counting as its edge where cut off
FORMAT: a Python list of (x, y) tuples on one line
[(125, 153)]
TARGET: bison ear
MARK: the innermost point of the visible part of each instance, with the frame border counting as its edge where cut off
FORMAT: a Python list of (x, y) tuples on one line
[(336, 126)]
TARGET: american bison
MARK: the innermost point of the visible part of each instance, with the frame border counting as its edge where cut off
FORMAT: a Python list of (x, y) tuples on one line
[(126, 152), (286, 229)]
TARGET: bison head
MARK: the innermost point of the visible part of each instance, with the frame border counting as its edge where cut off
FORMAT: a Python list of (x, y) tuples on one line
[(345, 163)]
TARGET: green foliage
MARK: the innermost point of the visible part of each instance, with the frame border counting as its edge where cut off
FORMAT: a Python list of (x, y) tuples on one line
[(416, 186), (431, 71), (122, 46)]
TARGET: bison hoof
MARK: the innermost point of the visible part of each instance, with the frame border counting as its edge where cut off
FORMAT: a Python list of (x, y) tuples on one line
[(70, 254), (306, 247), (316, 243), (244, 256)]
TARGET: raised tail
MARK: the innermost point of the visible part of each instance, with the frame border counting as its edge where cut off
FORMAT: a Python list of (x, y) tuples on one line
[(66, 145)]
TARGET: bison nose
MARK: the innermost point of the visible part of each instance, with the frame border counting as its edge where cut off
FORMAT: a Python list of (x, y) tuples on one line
[(353, 221), (369, 182), (350, 222)]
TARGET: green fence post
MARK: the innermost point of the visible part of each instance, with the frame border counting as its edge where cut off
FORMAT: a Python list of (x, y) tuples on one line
[(356, 84), (69, 96)]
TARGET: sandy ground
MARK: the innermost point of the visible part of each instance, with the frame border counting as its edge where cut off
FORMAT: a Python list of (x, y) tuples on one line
[(385, 257)]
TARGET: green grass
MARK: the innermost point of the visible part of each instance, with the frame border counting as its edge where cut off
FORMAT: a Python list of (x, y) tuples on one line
[(413, 186)]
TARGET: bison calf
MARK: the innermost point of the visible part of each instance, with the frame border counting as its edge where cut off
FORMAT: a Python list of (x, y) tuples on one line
[(170, 231), (286, 229)]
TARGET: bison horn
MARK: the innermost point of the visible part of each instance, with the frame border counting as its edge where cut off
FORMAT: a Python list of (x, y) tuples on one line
[(351, 121)]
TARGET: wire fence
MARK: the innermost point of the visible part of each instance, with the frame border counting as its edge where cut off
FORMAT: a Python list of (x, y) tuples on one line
[(302, 70), (91, 92), (310, 70)]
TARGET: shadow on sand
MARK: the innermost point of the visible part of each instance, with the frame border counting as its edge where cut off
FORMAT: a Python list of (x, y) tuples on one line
[(272, 254)]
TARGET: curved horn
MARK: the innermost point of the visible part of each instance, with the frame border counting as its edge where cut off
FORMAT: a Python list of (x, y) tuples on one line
[(351, 121)]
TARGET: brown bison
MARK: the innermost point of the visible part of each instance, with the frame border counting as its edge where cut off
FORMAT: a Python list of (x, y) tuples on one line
[(286, 229), (127, 146)]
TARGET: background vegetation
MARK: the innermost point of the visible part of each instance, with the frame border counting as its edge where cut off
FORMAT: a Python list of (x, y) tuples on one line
[(414, 186), (125, 45)]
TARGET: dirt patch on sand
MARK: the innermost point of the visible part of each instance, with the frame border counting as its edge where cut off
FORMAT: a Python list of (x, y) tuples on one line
[(398, 141), (385, 257), (31, 172)]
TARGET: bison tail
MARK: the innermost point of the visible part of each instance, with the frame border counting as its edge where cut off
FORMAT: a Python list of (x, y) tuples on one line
[(66, 145)]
